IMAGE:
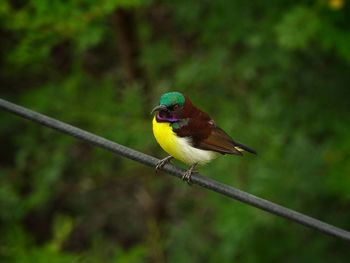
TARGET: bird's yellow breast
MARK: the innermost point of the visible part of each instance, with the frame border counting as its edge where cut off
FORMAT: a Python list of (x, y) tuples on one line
[(166, 138)]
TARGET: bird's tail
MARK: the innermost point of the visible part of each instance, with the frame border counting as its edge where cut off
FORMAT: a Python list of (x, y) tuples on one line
[(241, 147)]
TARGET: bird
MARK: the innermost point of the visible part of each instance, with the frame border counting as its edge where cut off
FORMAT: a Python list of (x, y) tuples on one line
[(189, 134)]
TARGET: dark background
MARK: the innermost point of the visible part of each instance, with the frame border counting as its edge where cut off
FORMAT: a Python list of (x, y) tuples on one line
[(274, 74)]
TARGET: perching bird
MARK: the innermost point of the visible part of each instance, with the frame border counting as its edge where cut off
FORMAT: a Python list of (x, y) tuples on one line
[(189, 134)]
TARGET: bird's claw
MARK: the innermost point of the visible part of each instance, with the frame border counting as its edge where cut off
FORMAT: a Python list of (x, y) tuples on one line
[(187, 177), (188, 174), (163, 162)]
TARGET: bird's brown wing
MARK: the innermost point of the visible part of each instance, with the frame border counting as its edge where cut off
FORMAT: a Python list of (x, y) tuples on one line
[(218, 141), (205, 135)]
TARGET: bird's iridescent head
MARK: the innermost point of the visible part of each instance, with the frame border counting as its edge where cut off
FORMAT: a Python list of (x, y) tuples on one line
[(170, 107)]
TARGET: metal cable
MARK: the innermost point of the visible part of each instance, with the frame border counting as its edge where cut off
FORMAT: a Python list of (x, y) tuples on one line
[(169, 168)]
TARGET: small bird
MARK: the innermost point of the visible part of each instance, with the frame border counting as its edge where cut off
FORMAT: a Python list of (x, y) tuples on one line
[(189, 134)]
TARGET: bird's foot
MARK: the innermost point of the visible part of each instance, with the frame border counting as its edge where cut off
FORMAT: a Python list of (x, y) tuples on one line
[(163, 162), (188, 174)]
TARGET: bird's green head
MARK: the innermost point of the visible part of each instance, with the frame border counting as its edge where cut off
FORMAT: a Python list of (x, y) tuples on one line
[(170, 107), (170, 99)]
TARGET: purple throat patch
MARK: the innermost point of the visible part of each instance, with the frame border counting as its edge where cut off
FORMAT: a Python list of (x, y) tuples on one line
[(166, 117)]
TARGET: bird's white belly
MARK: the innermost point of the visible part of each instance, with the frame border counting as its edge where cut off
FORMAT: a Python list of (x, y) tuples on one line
[(192, 155)]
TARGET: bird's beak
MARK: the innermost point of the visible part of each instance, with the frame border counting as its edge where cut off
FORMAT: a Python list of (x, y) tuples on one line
[(158, 108)]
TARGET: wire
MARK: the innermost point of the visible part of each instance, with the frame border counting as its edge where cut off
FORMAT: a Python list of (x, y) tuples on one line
[(175, 171)]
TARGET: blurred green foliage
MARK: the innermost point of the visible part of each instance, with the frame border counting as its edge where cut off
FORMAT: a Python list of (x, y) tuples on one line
[(273, 74)]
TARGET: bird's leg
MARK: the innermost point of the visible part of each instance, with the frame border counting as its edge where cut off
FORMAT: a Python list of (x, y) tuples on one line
[(187, 175), (163, 162)]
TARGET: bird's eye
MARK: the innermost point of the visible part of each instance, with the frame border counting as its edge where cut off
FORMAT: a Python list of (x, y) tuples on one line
[(175, 106)]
